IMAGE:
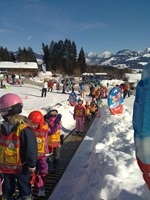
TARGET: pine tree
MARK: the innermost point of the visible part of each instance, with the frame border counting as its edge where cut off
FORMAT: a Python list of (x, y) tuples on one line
[(46, 56), (30, 55), (82, 61)]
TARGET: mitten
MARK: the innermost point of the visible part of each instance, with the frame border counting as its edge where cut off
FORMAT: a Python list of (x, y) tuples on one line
[(61, 139), (58, 119)]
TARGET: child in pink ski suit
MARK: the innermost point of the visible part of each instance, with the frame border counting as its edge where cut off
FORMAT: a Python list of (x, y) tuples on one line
[(79, 116)]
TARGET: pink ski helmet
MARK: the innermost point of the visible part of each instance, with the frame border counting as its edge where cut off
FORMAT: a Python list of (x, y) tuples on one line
[(10, 104)]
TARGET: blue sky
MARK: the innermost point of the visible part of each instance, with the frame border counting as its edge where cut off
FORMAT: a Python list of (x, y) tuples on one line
[(95, 25)]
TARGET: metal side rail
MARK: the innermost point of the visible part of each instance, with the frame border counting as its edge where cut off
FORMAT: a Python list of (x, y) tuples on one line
[(68, 149)]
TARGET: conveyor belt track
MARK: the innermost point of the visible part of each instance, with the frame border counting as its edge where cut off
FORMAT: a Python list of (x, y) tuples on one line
[(68, 149)]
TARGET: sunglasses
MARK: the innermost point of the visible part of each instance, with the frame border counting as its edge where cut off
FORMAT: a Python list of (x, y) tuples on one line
[(50, 115)]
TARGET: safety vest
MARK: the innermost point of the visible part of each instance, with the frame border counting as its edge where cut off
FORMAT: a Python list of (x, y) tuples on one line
[(79, 111), (93, 108), (97, 95), (87, 110), (10, 160), (54, 140), (41, 138), (93, 92)]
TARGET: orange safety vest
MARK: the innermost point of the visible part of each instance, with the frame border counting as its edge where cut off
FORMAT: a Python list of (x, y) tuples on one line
[(10, 161), (93, 92), (41, 138), (97, 94), (87, 110), (93, 108), (54, 140)]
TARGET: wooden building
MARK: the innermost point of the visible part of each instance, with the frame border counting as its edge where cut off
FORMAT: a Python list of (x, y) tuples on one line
[(20, 68)]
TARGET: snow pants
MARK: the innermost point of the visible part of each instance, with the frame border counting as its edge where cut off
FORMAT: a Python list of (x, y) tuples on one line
[(79, 124), (9, 184)]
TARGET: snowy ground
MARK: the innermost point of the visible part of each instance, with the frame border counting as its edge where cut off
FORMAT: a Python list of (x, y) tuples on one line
[(104, 167)]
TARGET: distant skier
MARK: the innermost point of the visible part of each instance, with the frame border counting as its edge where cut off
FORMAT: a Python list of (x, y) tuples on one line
[(44, 88)]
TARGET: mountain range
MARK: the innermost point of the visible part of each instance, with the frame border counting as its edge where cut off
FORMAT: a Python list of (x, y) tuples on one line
[(122, 59)]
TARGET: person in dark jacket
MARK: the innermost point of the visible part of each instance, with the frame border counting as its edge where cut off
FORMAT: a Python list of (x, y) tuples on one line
[(18, 147)]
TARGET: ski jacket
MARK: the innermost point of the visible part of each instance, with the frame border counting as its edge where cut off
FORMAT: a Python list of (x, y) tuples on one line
[(79, 111)]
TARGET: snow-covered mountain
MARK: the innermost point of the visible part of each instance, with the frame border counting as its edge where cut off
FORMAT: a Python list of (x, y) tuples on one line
[(123, 58)]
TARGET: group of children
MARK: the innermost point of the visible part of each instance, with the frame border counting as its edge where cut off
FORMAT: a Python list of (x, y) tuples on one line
[(82, 114), (27, 145), (99, 93)]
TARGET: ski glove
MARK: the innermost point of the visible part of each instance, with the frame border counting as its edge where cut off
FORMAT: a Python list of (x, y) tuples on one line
[(58, 119)]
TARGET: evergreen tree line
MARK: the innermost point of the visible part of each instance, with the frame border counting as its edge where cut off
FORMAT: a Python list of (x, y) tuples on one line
[(62, 57), (22, 55), (59, 57)]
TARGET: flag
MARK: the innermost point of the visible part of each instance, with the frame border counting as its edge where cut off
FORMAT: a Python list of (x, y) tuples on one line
[(44, 68)]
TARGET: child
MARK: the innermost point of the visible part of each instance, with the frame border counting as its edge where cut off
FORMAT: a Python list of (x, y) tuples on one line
[(79, 116), (18, 148), (41, 131), (98, 96), (54, 122), (94, 106), (87, 112)]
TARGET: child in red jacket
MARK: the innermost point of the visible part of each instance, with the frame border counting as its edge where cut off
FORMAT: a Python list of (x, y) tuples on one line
[(79, 116)]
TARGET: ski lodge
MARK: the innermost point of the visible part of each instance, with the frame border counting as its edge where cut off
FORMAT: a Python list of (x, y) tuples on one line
[(25, 68)]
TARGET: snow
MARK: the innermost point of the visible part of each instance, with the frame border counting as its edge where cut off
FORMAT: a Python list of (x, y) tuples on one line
[(132, 78), (104, 166), (27, 65), (147, 55), (143, 63), (133, 58), (106, 54)]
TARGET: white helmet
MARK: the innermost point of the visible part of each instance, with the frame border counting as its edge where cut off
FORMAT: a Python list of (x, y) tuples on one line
[(80, 99)]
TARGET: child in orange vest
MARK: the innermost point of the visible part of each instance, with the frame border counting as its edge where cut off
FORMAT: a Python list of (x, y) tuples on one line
[(41, 131), (94, 106), (98, 96), (18, 148), (87, 112), (54, 135), (79, 116)]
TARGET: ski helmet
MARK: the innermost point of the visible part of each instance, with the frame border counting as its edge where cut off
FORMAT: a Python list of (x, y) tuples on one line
[(53, 109), (10, 104), (36, 117), (80, 99)]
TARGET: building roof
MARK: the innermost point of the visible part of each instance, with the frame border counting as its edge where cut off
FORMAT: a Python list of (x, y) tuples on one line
[(132, 78), (93, 74), (18, 65)]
